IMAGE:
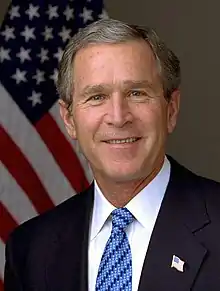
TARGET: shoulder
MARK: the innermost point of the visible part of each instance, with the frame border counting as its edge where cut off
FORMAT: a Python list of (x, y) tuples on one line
[(33, 240), (207, 189), (180, 171), (50, 222)]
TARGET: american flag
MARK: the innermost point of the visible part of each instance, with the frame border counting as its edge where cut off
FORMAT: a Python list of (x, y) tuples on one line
[(40, 166)]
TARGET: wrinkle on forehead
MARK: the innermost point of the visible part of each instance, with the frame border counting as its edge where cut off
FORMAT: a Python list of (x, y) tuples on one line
[(125, 64)]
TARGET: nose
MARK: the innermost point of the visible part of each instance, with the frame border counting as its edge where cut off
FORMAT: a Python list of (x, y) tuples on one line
[(119, 112)]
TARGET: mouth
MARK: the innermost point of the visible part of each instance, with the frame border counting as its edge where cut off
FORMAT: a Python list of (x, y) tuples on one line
[(122, 141)]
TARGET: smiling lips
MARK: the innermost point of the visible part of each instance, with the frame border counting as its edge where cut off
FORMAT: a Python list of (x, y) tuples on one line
[(121, 141)]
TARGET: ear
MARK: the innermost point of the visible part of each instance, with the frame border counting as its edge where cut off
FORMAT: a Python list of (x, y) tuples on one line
[(173, 110), (68, 119)]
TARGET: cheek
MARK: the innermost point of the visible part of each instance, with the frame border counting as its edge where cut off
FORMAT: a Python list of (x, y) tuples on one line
[(87, 121), (155, 125), (152, 117)]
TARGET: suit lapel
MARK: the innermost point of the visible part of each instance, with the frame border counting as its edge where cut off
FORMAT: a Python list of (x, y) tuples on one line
[(67, 267), (181, 216)]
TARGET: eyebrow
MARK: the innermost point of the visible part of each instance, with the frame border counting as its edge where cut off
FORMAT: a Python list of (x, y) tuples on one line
[(91, 89)]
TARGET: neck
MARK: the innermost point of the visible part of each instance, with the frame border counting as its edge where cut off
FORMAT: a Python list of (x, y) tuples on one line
[(120, 193)]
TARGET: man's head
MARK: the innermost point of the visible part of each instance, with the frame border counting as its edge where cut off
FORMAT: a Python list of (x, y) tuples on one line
[(119, 89), (111, 31)]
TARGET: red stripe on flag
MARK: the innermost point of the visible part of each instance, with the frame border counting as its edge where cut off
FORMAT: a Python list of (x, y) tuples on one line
[(22, 171), (62, 152), (7, 223)]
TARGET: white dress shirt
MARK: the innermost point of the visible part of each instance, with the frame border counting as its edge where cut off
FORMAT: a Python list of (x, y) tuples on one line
[(144, 207)]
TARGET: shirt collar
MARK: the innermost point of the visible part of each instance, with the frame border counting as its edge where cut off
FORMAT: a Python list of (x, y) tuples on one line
[(101, 211), (144, 206)]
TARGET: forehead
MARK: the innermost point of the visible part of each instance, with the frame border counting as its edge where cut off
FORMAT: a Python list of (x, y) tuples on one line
[(114, 62)]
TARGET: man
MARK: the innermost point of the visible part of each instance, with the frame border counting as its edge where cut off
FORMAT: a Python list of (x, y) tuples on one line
[(146, 223)]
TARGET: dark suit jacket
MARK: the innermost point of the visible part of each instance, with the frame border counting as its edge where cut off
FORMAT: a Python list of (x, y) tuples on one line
[(50, 252)]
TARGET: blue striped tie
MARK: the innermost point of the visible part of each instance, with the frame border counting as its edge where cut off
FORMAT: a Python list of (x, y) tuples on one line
[(115, 269)]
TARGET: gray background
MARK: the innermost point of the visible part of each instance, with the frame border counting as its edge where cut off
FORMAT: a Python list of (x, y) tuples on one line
[(191, 29)]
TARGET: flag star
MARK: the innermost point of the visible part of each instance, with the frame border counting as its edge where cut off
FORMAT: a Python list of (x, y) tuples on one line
[(52, 11), (19, 76), (43, 55), (59, 54), (86, 15), (65, 34), (39, 77), (8, 33), (47, 33), (103, 15), (24, 55), (28, 33), (4, 54), (35, 98), (32, 11), (14, 12), (68, 12), (54, 76)]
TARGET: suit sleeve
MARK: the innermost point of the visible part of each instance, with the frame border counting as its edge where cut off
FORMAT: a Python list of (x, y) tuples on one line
[(12, 282)]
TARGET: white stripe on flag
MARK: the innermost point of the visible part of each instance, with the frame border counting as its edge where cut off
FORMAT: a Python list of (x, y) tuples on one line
[(14, 199), (32, 146)]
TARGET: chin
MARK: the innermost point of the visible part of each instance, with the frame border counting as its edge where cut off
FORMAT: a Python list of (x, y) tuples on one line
[(123, 174)]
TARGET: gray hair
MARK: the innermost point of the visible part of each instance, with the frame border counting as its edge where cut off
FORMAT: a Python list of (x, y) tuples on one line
[(114, 31)]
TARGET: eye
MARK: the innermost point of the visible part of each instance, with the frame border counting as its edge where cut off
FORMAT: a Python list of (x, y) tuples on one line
[(137, 93), (140, 95), (97, 97)]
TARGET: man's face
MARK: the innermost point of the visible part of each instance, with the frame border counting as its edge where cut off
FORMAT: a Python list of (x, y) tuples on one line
[(119, 114)]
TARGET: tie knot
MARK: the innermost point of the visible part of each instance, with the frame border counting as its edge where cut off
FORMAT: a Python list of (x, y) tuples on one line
[(121, 218)]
